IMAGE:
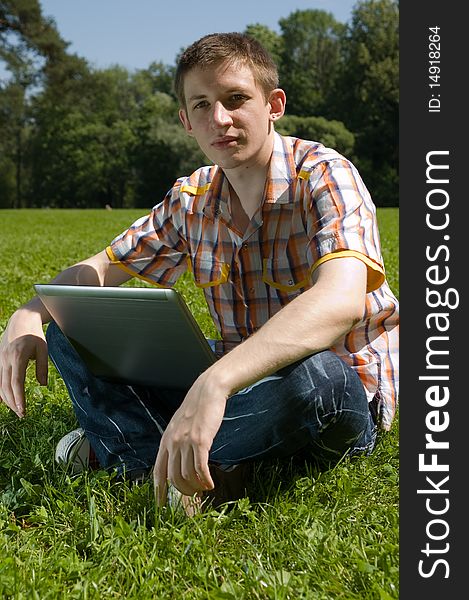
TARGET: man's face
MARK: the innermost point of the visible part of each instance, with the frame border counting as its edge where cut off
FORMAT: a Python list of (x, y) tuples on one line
[(229, 116)]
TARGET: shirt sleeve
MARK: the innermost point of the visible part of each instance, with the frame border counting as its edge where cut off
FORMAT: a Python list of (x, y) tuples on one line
[(154, 247), (341, 219)]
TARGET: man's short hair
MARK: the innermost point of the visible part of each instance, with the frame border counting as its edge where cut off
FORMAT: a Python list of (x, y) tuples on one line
[(217, 48)]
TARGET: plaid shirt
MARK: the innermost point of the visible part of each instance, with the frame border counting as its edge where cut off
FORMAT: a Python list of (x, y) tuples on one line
[(315, 208)]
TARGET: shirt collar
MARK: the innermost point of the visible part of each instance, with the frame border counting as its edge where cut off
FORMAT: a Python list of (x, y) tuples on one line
[(282, 172), (217, 195)]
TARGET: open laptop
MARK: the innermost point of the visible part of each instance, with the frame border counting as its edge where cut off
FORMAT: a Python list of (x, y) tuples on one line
[(142, 336)]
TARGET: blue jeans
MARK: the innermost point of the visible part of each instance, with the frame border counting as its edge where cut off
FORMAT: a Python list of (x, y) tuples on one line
[(316, 407)]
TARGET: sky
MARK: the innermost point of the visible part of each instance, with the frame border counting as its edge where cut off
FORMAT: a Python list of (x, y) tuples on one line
[(134, 33)]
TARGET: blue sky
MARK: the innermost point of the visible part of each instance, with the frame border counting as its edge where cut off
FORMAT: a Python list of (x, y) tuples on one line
[(135, 33)]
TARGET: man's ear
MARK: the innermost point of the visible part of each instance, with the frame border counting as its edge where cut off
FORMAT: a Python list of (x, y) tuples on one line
[(277, 103), (185, 121)]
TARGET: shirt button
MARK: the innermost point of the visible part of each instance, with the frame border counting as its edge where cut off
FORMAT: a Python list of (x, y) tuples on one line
[(290, 282), (244, 246), (251, 290)]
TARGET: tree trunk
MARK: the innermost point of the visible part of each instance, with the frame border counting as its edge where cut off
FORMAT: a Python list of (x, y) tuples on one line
[(19, 164)]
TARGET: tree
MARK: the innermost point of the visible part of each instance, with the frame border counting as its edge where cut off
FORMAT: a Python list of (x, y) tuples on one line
[(310, 59), (76, 136), (28, 41), (81, 163), (8, 118), (25, 34), (332, 134), (158, 77), (83, 141), (367, 97), (163, 151), (14, 124), (271, 41)]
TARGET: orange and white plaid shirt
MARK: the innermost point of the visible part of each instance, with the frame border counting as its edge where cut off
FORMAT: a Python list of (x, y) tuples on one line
[(315, 208)]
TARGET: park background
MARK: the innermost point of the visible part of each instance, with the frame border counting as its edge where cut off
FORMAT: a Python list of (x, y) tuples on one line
[(75, 135)]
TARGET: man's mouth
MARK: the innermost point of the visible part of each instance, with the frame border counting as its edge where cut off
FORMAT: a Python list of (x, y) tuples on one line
[(226, 141)]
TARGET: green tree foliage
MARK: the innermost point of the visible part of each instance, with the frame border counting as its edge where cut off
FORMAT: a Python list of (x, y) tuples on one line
[(272, 41), (24, 31), (310, 60), (84, 141), (115, 140), (81, 163), (368, 94), (28, 42), (158, 77), (306, 33), (10, 98), (332, 134), (163, 152), (74, 136), (14, 109)]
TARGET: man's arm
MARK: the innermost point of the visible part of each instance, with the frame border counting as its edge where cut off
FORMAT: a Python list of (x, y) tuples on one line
[(23, 338), (310, 323)]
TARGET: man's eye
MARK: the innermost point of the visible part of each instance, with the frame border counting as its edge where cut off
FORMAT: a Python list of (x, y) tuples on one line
[(202, 104), (235, 100)]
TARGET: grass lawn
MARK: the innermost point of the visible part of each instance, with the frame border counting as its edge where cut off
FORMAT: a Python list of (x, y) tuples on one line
[(300, 534)]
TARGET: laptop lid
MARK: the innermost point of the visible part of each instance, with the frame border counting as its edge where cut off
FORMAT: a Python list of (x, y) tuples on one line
[(144, 336)]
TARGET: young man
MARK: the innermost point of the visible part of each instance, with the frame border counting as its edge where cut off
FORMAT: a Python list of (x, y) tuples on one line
[(281, 234)]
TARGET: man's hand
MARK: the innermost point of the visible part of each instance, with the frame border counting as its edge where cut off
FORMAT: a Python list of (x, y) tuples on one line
[(22, 340), (184, 448)]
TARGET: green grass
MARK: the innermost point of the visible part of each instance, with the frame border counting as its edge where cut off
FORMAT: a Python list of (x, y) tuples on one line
[(301, 533)]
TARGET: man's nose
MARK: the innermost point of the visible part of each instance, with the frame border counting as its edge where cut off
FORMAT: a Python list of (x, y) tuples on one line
[(221, 116)]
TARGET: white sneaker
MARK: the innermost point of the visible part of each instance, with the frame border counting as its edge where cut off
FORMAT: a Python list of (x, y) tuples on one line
[(74, 450), (191, 505), (230, 484)]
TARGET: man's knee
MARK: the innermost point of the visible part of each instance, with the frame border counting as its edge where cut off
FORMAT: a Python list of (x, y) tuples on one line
[(336, 384), (327, 366)]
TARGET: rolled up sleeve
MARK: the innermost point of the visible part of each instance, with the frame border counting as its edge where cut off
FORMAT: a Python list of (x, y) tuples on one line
[(153, 248), (341, 219)]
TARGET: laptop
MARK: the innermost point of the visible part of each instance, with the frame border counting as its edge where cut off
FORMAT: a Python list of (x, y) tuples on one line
[(144, 336)]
